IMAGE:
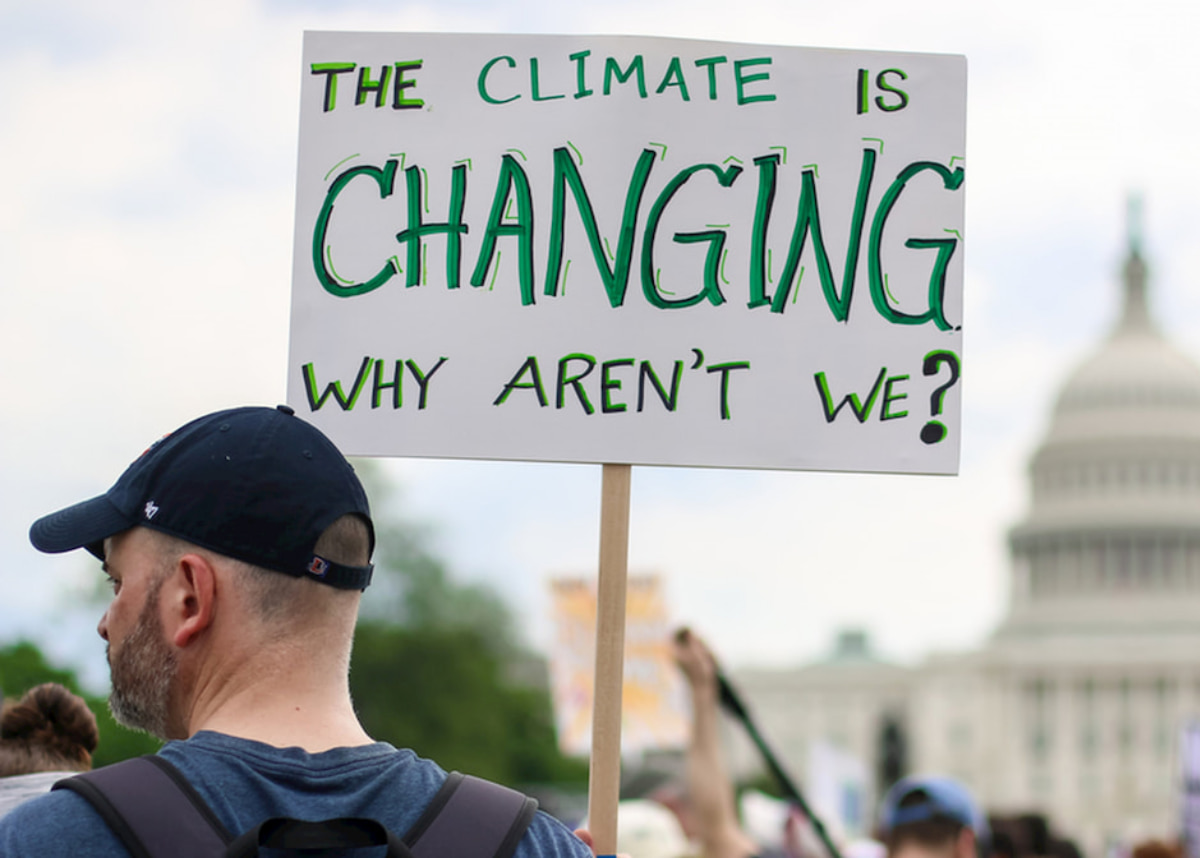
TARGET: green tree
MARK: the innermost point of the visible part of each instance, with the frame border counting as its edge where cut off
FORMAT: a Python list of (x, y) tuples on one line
[(413, 587), (22, 666), (444, 693), (434, 663)]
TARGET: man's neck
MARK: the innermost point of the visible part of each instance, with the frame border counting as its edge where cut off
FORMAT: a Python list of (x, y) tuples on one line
[(308, 709), (293, 725)]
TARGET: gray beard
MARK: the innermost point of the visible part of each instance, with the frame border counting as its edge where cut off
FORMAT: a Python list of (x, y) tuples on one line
[(143, 670)]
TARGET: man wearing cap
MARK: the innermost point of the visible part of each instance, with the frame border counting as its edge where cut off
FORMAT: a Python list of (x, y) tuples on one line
[(931, 817), (238, 548)]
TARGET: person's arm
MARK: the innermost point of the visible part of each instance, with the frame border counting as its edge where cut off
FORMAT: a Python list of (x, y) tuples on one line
[(709, 787)]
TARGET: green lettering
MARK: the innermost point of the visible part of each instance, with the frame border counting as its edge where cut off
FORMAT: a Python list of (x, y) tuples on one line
[(423, 379), (725, 369), (613, 69), (379, 386), (399, 100), (882, 82), (616, 277), (511, 181), (885, 410), (453, 229), (581, 89), (808, 218), (674, 77), (367, 85), (767, 166), (331, 71), (861, 411), (742, 79), (945, 246), (334, 388), (482, 82), (535, 382), (937, 274), (646, 372), (385, 178), (710, 64), (607, 383), (574, 381), (535, 85), (716, 239)]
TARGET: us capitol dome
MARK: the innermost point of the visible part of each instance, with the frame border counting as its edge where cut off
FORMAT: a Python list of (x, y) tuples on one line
[(1079, 705), (1111, 544)]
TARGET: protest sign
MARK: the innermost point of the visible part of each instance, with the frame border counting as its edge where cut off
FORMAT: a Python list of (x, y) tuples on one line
[(629, 251), (838, 784), (654, 703), (634, 250)]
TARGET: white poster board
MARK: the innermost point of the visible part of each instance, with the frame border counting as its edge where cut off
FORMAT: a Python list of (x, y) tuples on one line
[(655, 711), (636, 250)]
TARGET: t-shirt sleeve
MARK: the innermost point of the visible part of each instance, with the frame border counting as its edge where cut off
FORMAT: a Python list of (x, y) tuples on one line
[(546, 837), (60, 823)]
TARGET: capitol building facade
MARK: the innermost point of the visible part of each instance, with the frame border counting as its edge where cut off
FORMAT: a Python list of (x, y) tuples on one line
[(1075, 705)]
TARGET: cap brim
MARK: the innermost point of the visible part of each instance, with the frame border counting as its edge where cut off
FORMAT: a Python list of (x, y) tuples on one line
[(84, 525)]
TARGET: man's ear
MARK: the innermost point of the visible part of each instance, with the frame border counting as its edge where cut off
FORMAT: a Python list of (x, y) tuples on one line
[(190, 599)]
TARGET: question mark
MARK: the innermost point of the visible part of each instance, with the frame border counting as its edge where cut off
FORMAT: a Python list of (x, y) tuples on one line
[(935, 430)]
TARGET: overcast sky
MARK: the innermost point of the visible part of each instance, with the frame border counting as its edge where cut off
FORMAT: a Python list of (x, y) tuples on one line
[(145, 235)]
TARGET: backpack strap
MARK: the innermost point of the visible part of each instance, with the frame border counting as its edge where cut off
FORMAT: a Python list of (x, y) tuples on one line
[(152, 809), (470, 816), (155, 812)]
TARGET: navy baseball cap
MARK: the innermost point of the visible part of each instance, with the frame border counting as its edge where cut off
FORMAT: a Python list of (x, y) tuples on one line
[(256, 484), (933, 798)]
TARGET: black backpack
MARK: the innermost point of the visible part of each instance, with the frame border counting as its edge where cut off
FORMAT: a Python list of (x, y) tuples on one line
[(156, 813)]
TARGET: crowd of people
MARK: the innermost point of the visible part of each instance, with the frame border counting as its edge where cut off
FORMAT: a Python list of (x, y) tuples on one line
[(238, 548)]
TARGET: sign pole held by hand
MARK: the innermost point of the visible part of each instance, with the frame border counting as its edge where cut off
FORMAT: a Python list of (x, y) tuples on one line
[(604, 783)]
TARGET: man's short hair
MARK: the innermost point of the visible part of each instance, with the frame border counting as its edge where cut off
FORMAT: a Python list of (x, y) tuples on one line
[(935, 832), (928, 811), (347, 541)]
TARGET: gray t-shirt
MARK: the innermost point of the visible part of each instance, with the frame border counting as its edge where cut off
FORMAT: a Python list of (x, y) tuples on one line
[(17, 789), (245, 782)]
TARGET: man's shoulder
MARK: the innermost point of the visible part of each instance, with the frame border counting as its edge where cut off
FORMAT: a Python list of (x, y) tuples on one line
[(549, 838), (57, 823), (390, 785), (244, 781), (17, 789), (393, 785)]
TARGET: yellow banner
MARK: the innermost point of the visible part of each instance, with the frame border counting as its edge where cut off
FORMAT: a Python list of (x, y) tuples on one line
[(654, 711)]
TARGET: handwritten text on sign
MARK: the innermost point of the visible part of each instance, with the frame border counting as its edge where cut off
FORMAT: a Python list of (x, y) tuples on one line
[(630, 250)]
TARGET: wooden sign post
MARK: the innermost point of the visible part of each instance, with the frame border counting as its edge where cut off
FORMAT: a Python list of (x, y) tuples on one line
[(604, 782)]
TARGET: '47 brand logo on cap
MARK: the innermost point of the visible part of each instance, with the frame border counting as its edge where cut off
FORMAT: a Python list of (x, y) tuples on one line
[(151, 509), (318, 567)]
